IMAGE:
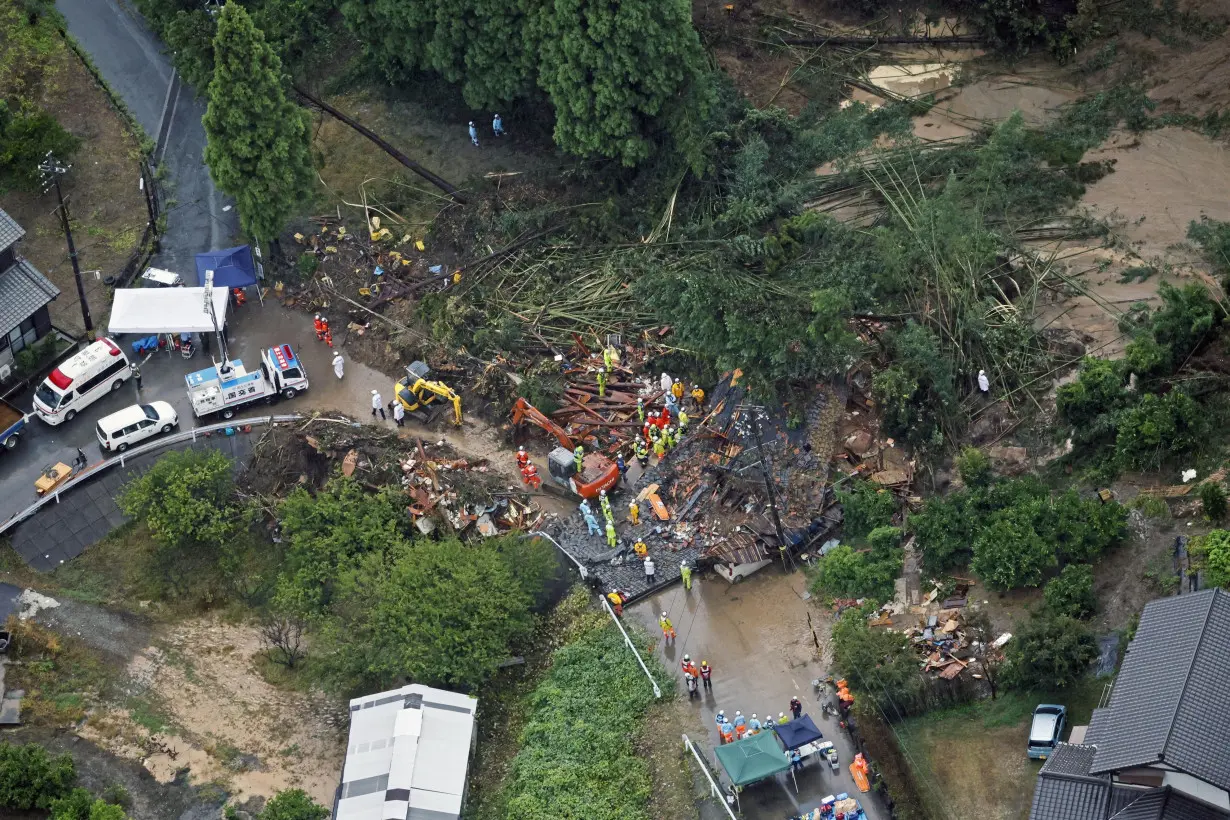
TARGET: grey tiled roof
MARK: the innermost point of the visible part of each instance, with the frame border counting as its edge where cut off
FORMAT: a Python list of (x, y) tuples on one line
[(1097, 725), (10, 231), (1169, 699), (23, 290), (1168, 804), (1060, 797), (1070, 759)]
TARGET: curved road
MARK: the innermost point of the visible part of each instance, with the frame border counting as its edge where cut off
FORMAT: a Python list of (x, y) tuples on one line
[(131, 59)]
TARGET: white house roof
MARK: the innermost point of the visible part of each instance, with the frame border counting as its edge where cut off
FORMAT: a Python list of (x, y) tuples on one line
[(407, 756)]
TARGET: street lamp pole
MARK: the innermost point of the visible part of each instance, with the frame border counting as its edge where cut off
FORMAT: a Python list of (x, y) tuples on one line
[(51, 170)]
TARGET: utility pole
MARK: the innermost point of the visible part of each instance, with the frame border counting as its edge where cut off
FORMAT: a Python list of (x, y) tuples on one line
[(51, 169), (756, 413), (149, 200)]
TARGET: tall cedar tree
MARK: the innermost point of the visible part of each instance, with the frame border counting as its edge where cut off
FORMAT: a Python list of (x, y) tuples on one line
[(258, 140), (612, 70)]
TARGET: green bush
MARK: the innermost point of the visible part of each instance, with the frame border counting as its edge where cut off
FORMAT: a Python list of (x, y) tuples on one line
[(1213, 500), (26, 135), (1009, 552), (945, 528), (865, 506), (577, 756), (293, 804), (1071, 592), (1089, 403), (81, 805), (31, 360), (1213, 237), (1049, 652), (30, 778), (844, 573), (974, 467), (1212, 556), (878, 662), (1158, 430)]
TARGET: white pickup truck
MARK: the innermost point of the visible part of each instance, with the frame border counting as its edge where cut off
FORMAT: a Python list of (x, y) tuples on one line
[(223, 389)]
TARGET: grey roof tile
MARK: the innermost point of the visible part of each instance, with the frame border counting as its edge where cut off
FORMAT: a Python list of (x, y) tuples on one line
[(10, 231), (1070, 798), (23, 290), (1097, 725), (1071, 759), (1168, 701), (1167, 804)]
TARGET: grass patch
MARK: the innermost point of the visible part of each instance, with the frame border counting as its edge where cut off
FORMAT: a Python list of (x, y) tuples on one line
[(974, 755), (62, 676), (149, 715), (113, 572)]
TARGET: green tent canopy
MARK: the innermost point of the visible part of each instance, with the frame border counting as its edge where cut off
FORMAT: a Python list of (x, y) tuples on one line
[(753, 758)]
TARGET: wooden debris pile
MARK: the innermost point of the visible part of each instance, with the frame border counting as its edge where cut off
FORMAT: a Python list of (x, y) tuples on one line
[(936, 630)]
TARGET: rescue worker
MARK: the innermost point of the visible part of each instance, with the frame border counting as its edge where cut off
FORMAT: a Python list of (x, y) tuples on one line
[(698, 397), (529, 474), (690, 681), (683, 422), (339, 366), (399, 414), (473, 134), (768, 721), (668, 436), (672, 407), (728, 732), (640, 410), (585, 508), (634, 512), (677, 390), (662, 420), (668, 629), (720, 718), (706, 671), (320, 328), (686, 572), (601, 382), (659, 448), (610, 535), (377, 405), (523, 458), (617, 602), (740, 725), (753, 725), (328, 333), (622, 467), (796, 708), (781, 719), (497, 126), (578, 457), (641, 549), (592, 522), (688, 667), (654, 432), (240, 297), (608, 357), (642, 452), (649, 571), (606, 506), (796, 759)]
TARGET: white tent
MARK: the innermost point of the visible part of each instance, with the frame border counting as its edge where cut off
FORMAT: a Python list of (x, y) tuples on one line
[(165, 310)]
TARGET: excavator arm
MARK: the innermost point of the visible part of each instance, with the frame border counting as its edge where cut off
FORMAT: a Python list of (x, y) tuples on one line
[(523, 412), (445, 392)]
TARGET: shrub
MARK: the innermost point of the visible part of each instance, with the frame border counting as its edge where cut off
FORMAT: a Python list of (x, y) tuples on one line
[(844, 573), (293, 804), (864, 655), (1212, 554), (865, 506), (1213, 237), (1049, 652), (25, 138), (1088, 403), (974, 467), (1158, 430), (30, 778), (1213, 500), (1071, 592), (1009, 553), (945, 530), (306, 264), (577, 757)]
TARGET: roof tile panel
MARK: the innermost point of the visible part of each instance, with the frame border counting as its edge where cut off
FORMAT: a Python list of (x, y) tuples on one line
[(23, 290)]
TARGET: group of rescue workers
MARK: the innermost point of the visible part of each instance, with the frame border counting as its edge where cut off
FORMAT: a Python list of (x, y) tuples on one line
[(323, 333), (730, 730)]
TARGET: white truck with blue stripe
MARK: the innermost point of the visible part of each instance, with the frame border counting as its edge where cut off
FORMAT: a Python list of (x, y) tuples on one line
[(224, 389)]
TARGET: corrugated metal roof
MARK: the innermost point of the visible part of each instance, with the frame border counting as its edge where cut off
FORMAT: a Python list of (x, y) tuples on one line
[(1169, 699), (10, 231), (23, 290)]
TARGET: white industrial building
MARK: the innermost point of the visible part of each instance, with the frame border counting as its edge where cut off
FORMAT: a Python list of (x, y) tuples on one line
[(407, 756)]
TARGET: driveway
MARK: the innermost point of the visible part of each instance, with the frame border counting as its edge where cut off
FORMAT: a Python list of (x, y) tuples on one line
[(131, 59)]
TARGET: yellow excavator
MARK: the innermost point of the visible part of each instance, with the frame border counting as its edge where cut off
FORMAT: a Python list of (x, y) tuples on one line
[(416, 392)]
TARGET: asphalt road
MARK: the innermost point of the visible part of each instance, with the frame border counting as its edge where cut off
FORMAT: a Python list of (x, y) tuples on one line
[(131, 59)]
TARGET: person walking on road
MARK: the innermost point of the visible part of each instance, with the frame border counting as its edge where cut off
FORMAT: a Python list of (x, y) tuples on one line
[(740, 725), (473, 134), (377, 405), (649, 570), (497, 126), (399, 414), (685, 572), (796, 708), (706, 672), (339, 366), (668, 629)]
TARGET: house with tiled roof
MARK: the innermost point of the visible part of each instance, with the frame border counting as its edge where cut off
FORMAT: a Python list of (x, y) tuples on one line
[(25, 295), (1160, 748)]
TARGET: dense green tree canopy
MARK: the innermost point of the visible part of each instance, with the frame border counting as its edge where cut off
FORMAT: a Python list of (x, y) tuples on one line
[(258, 140), (1049, 652), (293, 804)]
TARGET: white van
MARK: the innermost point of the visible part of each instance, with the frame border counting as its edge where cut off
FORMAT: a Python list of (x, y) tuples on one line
[(132, 425), (81, 381)]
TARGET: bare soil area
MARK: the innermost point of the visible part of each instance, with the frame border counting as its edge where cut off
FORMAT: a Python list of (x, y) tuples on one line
[(198, 703), (107, 208)]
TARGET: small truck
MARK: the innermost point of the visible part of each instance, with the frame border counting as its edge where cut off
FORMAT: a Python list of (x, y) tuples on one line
[(225, 388), (12, 422)]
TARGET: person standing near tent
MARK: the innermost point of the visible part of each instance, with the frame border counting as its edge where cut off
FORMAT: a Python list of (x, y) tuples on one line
[(753, 725), (740, 725), (339, 366), (239, 296), (685, 572), (796, 708), (728, 732)]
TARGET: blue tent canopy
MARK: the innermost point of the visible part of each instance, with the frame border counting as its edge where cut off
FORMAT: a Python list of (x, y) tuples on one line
[(232, 267), (798, 732)]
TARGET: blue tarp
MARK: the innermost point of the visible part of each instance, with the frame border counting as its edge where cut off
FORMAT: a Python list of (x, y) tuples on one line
[(798, 732), (232, 267)]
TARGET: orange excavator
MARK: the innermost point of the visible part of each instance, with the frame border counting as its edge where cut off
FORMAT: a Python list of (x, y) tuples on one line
[(597, 471)]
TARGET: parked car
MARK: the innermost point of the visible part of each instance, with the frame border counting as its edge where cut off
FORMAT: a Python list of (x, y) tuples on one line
[(1046, 730), (134, 424)]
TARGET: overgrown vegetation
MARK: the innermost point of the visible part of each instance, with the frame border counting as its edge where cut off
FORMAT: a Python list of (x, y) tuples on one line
[(870, 573), (1013, 532), (32, 779)]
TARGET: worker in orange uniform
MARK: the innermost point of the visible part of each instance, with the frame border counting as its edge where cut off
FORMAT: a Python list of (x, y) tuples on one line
[(523, 458), (688, 667), (240, 297), (529, 474), (319, 324), (328, 334)]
